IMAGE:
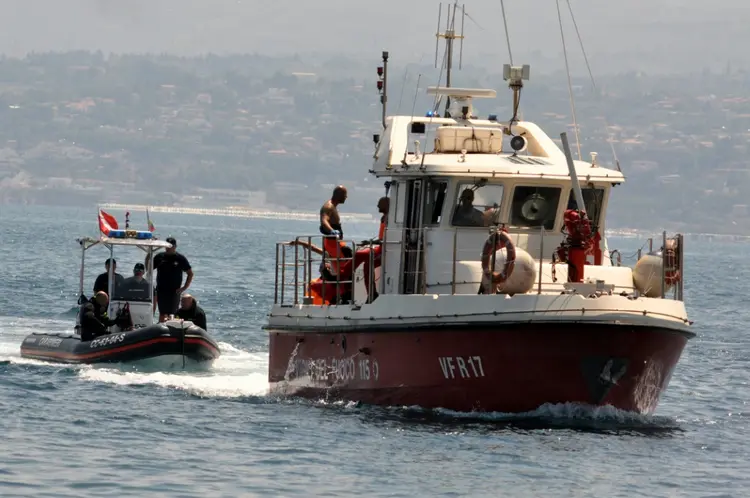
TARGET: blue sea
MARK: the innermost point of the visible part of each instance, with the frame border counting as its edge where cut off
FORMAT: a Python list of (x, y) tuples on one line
[(111, 431)]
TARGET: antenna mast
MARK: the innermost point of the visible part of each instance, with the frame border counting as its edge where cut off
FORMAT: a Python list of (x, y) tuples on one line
[(383, 84), (450, 35)]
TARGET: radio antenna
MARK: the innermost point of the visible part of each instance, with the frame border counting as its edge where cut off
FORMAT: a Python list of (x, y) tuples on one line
[(450, 36)]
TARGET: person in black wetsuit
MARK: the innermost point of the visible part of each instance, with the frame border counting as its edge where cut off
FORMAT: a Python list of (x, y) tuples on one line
[(94, 319), (102, 281), (189, 310), (170, 265)]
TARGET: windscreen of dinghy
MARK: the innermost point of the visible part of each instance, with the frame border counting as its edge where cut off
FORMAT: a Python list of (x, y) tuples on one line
[(138, 292)]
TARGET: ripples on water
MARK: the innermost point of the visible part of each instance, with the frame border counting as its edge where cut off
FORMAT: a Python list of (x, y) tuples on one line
[(112, 431)]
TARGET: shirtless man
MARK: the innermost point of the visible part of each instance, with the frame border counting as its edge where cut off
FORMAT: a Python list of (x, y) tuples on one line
[(330, 223), (363, 255)]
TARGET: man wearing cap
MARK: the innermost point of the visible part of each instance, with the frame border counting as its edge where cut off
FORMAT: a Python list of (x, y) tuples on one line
[(170, 265), (102, 281), (136, 288)]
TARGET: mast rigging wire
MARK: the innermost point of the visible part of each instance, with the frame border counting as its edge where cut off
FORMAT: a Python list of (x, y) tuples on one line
[(570, 85), (507, 34), (593, 83)]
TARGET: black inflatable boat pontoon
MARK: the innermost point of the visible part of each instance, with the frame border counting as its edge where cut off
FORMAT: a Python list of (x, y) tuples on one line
[(173, 338)]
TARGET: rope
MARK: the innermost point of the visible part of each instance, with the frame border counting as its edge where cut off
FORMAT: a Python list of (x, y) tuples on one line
[(570, 85), (183, 343), (593, 83), (507, 35)]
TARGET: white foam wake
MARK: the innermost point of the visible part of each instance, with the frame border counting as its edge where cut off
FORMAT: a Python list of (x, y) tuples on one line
[(236, 373), (14, 329)]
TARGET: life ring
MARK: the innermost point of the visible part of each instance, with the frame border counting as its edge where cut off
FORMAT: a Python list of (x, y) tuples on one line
[(497, 240)]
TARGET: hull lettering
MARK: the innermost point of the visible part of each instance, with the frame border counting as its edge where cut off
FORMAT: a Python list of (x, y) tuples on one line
[(107, 340), (339, 370), (461, 367), (50, 342)]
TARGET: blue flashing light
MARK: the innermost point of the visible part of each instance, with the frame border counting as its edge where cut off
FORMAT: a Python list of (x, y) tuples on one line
[(492, 117), (130, 234), (430, 114)]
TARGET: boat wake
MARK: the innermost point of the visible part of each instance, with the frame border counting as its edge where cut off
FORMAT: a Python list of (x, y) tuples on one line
[(236, 373), (571, 416), (548, 417), (243, 374)]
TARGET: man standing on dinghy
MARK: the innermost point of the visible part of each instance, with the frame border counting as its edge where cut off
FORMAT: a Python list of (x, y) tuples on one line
[(170, 265), (135, 288), (102, 281)]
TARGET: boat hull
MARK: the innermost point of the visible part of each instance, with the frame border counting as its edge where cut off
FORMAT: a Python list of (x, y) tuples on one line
[(158, 340), (508, 368)]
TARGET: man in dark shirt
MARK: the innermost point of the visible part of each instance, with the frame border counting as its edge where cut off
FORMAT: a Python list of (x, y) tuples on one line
[(189, 310), (102, 281), (94, 319), (170, 265), (135, 288), (466, 215)]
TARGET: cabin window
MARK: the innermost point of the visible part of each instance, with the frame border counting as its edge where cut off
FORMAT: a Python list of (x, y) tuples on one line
[(476, 203), (434, 202), (397, 200), (534, 207), (593, 198)]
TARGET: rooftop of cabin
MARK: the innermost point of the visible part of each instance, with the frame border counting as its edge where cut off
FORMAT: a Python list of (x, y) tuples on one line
[(119, 241), (461, 144)]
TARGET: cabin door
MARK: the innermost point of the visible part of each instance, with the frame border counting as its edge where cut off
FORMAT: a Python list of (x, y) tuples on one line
[(412, 273)]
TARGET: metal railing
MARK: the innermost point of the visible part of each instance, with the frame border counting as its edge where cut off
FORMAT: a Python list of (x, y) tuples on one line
[(330, 266), (672, 263), (290, 280)]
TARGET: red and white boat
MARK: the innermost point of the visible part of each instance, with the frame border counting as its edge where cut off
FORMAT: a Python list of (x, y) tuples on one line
[(551, 316)]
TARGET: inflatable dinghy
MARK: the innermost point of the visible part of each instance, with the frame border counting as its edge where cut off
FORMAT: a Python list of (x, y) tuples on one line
[(168, 339), (174, 342)]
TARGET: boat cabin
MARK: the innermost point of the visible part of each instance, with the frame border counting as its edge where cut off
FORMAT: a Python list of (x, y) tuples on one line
[(474, 175), (136, 295), (452, 180)]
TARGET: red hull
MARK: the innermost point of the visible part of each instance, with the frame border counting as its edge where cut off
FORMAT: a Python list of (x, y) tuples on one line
[(509, 368)]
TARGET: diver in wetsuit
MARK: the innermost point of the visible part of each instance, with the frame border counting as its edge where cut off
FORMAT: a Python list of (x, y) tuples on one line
[(189, 310), (94, 319)]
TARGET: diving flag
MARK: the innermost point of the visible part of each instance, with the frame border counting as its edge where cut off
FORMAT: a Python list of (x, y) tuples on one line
[(151, 226), (107, 222)]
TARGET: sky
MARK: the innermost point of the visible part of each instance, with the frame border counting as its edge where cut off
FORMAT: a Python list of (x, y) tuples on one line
[(683, 35)]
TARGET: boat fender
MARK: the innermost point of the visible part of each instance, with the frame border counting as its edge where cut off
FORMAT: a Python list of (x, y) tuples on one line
[(497, 240)]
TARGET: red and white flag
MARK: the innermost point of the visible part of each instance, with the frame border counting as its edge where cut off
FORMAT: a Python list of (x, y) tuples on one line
[(107, 222)]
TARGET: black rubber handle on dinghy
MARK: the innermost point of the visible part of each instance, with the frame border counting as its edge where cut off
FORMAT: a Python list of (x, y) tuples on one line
[(183, 346)]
